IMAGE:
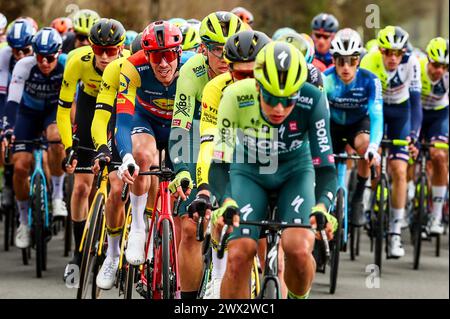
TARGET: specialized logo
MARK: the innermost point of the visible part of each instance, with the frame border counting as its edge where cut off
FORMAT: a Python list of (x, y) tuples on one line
[(297, 202), (282, 57), (281, 131), (245, 211)]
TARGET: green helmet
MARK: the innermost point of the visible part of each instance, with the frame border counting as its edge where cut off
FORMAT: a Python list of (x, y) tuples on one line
[(280, 68), (371, 45), (219, 26), (437, 50), (83, 21), (392, 37), (191, 38)]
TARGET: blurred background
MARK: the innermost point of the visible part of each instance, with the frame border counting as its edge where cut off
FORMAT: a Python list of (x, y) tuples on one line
[(422, 19)]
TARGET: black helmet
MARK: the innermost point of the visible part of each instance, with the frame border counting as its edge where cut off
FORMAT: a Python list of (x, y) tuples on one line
[(325, 22), (135, 46), (107, 32), (244, 46)]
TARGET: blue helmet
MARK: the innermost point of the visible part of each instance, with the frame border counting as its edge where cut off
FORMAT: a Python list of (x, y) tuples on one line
[(47, 41), (130, 35), (20, 34), (325, 22), (282, 31)]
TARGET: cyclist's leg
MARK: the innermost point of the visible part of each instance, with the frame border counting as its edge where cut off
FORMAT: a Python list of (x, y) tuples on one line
[(294, 206), (28, 126), (438, 131), (397, 118), (55, 157), (251, 198)]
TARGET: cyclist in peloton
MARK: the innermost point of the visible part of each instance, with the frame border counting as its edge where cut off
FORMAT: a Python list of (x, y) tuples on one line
[(278, 118), (106, 37), (102, 131), (356, 106), (3, 24), (33, 96), (324, 26), (435, 89), (399, 74), (83, 21), (145, 102), (215, 29), (243, 14)]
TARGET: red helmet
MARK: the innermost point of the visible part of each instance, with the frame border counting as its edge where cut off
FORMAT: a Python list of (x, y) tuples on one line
[(245, 15), (161, 35), (62, 25)]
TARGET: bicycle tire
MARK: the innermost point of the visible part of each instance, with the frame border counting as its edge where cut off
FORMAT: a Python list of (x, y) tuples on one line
[(68, 221), (89, 249), (438, 246), (206, 273), (270, 290), (358, 241), (335, 253), (129, 281), (352, 242), (8, 228), (379, 224), (417, 223), (25, 255), (168, 251), (38, 224)]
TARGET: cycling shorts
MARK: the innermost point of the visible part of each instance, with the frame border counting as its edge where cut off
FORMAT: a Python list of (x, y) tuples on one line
[(348, 132), (435, 125), (397, 119)]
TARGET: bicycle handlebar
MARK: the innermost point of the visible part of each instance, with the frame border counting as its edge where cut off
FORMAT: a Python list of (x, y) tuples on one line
[(102, 164), (126, 186)]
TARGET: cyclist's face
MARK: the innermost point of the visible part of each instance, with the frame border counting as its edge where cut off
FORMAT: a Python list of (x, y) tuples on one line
[(242, 70), (436, 70), (392, 59), (47, 67), (21, 53), (81, 40), (101, 61), (322, 41), (214, 54), (346, 67), (275, 114), (164, 71)]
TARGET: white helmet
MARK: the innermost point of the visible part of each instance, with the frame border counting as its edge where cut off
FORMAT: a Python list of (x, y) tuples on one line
[(346, 42), (3, 21)]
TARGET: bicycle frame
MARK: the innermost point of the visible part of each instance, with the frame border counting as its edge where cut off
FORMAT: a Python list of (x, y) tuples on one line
[(342, 184), (38, 170)]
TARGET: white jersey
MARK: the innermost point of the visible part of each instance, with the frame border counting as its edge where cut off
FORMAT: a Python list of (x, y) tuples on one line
[(5, 68), (434, 94), (396, 84)]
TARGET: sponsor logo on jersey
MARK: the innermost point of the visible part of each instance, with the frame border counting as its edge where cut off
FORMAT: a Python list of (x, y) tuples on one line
[(182, 106), (199, 70), (86, 58), (218, 154), (316, 161), (293, 126), (124, 82), (188, 125), (322, 137), (306, 100), (143, 68), (331, 159), (164, 104), (245, 100), (176, 122)]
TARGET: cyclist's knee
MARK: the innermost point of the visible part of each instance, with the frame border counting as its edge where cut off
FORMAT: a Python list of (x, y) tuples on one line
[(362, 143), (81, 190), (115, 193), (438, 157), (398, 170), (240, 255), (188, 231), (22, 168), (143, 157)]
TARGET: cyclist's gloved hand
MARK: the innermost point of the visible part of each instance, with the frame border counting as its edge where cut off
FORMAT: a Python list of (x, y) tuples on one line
[(372, 149), (123, 172), (70, 161), (103, 152), (200, 206), (331, 221), (175, 185), (230, 213)]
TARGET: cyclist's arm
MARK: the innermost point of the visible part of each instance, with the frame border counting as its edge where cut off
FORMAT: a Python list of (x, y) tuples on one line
[(104, 107), (72, 74), (415, 90), (322, 152), (376, 112), (129, 82), (224, 142), (20, 74), (208, 121), (4, 72), (183, 115)]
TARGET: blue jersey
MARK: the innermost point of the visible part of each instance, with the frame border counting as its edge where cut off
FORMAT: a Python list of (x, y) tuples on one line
[(186, 55), (32, 89), (326, 58), (349, 103)]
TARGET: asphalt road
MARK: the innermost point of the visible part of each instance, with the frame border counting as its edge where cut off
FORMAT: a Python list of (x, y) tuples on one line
[(398, 279)]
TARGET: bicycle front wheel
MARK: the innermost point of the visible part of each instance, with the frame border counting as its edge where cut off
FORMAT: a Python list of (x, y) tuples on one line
[(381, 201), (336, 248), (419, 215), (169, 275), (38, 209)]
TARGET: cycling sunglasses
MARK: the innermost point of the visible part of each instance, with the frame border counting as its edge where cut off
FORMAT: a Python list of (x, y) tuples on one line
[(25, 51), (321, 35), (216, 50), (110, 51), (49, 58), (81, 37), (351, 60), (438, 65), (391, 52), (241, 74), (273, 101), (156, 57)]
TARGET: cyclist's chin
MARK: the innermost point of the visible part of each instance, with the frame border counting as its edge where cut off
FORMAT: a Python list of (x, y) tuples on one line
[(276, 119)]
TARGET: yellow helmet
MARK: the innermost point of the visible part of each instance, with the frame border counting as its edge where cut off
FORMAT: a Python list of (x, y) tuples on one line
[(280, 68), (392, 37), (83, 21), (191, 37), (219, 26), (437, 50)]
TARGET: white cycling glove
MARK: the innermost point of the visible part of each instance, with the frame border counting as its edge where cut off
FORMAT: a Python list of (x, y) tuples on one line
[(373, 148), (127, 160)]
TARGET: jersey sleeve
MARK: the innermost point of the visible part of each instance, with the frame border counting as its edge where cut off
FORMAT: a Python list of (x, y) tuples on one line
[(375, 111), (129, 82), (105, 101), (415, 90), (208, 121), (72, 74), (183, 115), (4, 69)]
